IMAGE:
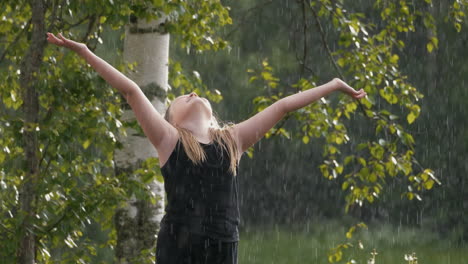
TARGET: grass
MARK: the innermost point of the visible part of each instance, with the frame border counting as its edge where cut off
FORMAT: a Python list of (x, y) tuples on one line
[(312, 242)]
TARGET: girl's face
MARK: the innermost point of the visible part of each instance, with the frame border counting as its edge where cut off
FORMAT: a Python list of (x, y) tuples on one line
[(189, 105)]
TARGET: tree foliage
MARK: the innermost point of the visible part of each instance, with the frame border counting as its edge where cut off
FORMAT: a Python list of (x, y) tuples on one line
[(367, 58), (78, 122), (366, 145)]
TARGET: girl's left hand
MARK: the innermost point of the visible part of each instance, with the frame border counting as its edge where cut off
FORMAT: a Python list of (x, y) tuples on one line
[(357, 94), (344, 87)]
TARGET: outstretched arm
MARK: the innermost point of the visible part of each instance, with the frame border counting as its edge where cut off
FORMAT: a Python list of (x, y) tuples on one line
[(112, 76), (153, 124), (253, 129)]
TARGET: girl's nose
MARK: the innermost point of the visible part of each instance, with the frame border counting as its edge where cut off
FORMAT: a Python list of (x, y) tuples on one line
[(193, 94)]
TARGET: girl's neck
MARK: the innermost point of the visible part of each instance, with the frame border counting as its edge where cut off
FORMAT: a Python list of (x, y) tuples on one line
[(200, 129)]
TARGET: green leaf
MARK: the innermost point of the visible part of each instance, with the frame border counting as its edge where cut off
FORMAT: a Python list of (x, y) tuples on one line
[(339, 140), (86, 144), (364, 172), (415, 110), (429, 47), (324, 170), (405, 10), (362, 161), (361, 146), (411, 117), (428, 184), (410, 195), (377, 151), (394, 58), (372, 177), (341, 62), (345, 185), (305, 139), (388, 95), (435, 41), (348, 159), (284, 132), (339, 169), (267, 75)]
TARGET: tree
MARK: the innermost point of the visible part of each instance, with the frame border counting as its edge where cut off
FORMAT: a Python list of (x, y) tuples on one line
[(63, 119), (147, 45), (361, 42)]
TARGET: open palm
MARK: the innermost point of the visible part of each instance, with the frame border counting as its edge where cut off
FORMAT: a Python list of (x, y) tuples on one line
[(356, 94), (64, 42)]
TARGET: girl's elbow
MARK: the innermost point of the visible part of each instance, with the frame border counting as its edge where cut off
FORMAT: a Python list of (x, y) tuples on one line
[(131, 88)]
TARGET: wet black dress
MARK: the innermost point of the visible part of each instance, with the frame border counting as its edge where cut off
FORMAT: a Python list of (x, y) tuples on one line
[(202, 212)]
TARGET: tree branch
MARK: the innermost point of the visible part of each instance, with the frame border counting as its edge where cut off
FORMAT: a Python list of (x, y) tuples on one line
[(93, 20), (6, 229), (325, 44), (282, 123), (329, 53), (81, 21), (64, 25), (245, 14), (47, 230), (305, 29), (44, 154), (295, 39), (53, 16)]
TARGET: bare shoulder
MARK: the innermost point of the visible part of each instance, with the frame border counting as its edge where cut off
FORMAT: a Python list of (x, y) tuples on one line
[(235, 135), (233, 131)]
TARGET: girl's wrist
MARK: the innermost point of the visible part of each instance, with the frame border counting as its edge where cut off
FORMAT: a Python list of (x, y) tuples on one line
[(339, 84), (81, 51)]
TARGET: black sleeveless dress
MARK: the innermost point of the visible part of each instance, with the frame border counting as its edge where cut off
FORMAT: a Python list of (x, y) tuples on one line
[(202, 213)]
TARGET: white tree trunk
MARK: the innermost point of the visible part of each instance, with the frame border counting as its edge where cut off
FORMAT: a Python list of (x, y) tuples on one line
[(138, 224)]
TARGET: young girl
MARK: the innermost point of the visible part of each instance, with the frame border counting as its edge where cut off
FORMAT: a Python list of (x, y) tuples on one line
[(199, 161)]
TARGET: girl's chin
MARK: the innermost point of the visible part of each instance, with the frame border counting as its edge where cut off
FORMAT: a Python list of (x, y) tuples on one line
[(203, 101)]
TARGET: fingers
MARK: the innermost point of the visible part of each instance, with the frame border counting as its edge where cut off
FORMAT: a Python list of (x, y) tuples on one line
[(362, 95), (51, 35), (62, 37), (51, 38), (359, 94)]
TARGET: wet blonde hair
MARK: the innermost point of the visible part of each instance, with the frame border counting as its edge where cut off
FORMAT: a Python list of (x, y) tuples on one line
[(218, 134)]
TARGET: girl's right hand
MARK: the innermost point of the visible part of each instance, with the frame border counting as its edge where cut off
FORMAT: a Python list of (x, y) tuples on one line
[(64, 42)]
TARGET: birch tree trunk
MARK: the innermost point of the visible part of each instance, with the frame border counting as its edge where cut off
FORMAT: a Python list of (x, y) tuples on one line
[(137, 225)]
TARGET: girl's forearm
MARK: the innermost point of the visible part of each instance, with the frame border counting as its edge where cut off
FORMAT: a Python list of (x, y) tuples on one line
[(111, 75), (301, 99)]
